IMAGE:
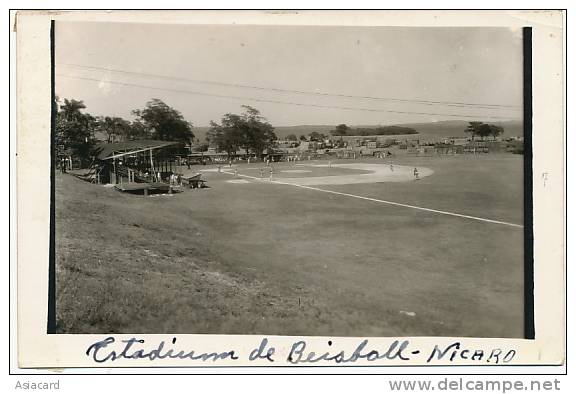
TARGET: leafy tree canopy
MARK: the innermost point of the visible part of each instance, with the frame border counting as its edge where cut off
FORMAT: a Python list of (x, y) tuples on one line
[(316, 136), (115, 128), (74, 130), (164, 122), (249, 131), (341, 129), (484, 130)]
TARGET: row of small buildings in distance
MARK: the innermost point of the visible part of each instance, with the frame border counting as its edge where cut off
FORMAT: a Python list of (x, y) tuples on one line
[(353, 146)]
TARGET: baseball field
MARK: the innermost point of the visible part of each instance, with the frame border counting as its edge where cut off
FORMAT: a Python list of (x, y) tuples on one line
[(415, 246)]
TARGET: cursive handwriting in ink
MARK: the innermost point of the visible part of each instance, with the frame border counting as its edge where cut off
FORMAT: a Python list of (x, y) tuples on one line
[(455, 351), (101, 352), (261, 353), (396, 350)]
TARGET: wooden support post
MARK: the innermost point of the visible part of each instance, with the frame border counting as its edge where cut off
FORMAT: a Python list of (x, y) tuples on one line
[(145, 192)]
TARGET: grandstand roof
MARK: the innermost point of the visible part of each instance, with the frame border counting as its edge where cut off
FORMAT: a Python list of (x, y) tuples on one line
[(113, 150)]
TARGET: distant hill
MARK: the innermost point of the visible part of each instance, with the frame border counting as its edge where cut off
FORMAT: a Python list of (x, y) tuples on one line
[(379, 131), (455, 128), (281, 131), (446, 128)]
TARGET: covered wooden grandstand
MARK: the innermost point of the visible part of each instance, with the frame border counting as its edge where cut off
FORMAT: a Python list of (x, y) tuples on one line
[(135, 166)]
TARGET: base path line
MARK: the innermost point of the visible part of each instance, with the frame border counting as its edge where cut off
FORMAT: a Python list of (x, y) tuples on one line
[(384, 201)]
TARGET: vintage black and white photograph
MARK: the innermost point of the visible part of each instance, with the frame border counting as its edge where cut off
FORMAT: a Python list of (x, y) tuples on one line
[(288, 180)]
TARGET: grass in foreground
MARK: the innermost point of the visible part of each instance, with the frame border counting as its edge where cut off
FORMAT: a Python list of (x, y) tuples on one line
[(275, 259)]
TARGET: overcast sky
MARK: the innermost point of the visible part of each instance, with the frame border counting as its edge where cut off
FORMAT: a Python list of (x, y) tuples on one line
[(458, 65)]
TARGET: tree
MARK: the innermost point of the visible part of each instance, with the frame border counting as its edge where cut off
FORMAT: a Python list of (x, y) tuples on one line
[(164, 123), (74, 131), (484, 130), (316, 136), (340, 130), (115, 128), (225, 137), (291, 137), (202, 147), (258, 133), (70, 111), (137, 131), (473, 128), (302, 137), (495, 131), (249, 131)]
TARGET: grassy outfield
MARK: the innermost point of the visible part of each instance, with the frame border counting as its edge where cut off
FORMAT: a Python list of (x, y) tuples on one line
[(261, 258)]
